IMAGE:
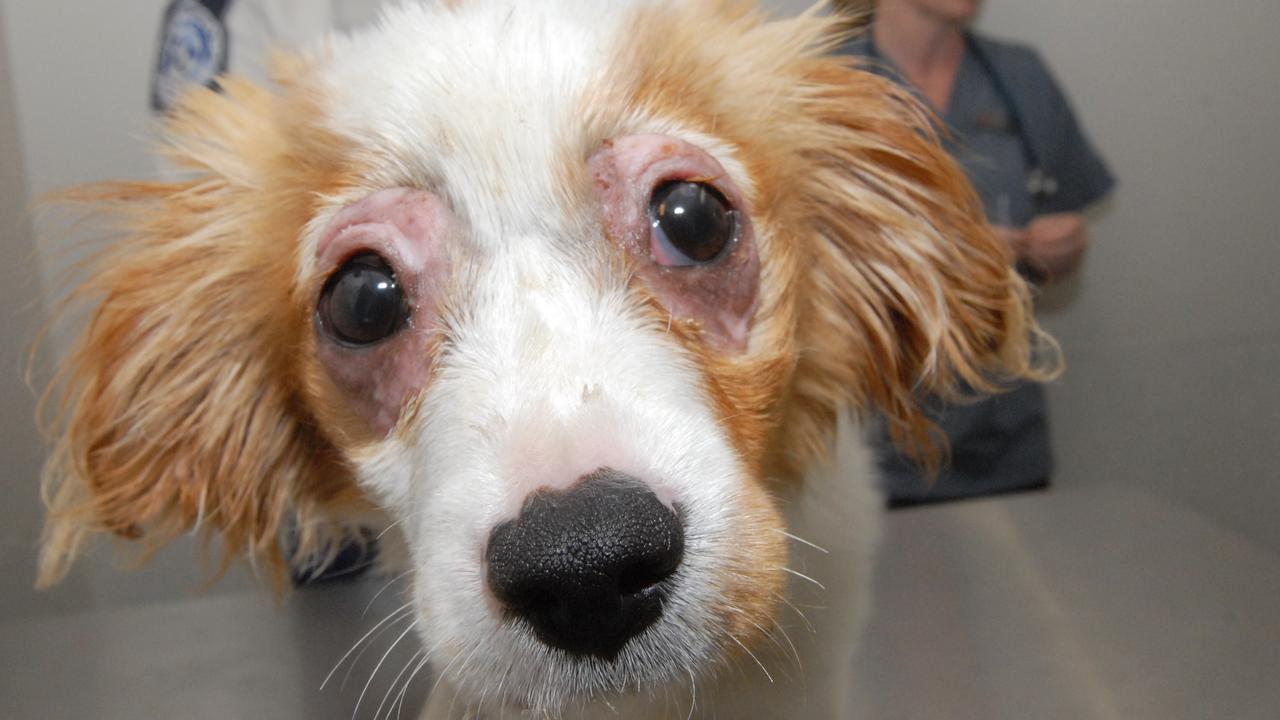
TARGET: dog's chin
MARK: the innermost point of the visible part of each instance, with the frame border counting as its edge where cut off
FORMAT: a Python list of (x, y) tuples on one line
[(511, 667)]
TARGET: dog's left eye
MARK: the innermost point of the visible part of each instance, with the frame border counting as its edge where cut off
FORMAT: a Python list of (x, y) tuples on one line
[(362, 303), (693, 223)]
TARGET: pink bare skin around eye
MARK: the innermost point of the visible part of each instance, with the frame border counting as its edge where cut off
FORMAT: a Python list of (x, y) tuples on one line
[(409, 229), (721, 295)]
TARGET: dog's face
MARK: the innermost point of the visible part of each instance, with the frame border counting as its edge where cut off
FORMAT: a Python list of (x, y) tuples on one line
[(570, 290)]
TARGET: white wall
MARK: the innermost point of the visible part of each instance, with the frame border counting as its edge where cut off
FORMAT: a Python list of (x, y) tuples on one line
[(80, 73), (1172, 331), (20, 454)]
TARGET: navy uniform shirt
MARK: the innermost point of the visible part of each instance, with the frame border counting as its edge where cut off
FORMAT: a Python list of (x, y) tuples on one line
[(999, 443)]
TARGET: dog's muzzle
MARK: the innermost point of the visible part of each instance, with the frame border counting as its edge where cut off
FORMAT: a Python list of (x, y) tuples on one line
[(588, 568)]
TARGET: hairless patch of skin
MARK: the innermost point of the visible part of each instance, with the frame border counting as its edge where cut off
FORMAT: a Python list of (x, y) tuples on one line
[(409, 230), (720, 296)]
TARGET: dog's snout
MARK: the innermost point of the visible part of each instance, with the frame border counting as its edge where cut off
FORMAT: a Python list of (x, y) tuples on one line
[(587, 567)]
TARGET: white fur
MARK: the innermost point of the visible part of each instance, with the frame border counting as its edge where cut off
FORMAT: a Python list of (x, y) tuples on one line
[(478, 102), (551, 373)]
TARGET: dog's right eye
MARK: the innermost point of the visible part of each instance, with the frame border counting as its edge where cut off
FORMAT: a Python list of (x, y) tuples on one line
[(692, 222), (362, 303)]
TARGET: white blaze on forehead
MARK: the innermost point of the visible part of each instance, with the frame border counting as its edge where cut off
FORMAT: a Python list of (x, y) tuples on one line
[(555, 368), (480, 100)]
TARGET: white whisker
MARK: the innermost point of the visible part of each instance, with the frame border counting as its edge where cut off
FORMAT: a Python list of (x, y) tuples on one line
[(774, 638), (355, 661), (426, 658), (802, 541), (803, 618), (753, 657), (802, 576), (693, 693), (404, 690), (347, 654), (374, 599), (387, 529), (462, 669), (378, 667), (794, 652), (392, 685), (506, 672)]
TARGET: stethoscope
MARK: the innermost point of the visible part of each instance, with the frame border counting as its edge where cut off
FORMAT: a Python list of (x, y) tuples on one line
[(1041, 185)]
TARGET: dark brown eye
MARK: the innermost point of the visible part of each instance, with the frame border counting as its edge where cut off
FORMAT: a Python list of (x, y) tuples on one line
[(362, 303), (693, 223)]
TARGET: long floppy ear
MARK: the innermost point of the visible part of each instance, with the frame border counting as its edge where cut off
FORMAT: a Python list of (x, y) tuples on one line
[(906, 291), (176, 407)]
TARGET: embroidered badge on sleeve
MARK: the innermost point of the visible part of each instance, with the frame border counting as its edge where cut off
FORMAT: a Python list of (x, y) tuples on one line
[(193, 49)]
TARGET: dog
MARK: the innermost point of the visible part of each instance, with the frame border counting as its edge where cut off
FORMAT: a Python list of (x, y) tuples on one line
[(589, 300)]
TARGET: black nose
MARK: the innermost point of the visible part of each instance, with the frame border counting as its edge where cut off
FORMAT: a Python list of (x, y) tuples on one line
[(585, 567)]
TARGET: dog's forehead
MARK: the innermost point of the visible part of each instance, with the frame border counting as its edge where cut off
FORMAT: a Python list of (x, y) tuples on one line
[(486, 102)]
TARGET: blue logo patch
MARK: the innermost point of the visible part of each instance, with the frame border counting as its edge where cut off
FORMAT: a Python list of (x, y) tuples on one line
[(193, 51)]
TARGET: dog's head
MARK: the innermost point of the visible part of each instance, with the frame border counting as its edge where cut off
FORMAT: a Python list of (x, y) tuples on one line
[(569, 289)]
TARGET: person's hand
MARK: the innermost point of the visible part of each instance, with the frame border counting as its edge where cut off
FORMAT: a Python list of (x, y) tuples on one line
[(1052, 245), (1014, 237)]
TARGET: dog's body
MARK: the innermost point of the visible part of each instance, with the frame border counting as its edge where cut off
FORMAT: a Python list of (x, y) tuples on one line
[(575, 292)]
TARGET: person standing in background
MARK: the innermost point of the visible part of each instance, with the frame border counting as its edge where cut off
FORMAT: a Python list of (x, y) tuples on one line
[(199, 41), (1012, 129)]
